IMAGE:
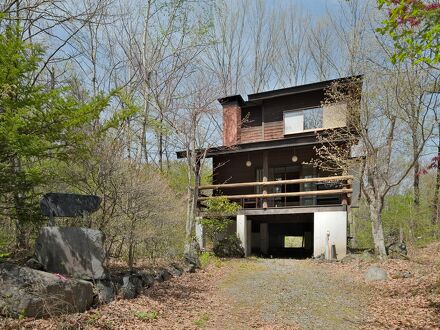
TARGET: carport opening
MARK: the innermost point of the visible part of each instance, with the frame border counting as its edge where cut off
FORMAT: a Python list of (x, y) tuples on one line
[(288, 236)]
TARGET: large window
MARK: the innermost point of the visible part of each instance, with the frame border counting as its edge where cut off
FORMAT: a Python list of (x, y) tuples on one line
[(302, 120)]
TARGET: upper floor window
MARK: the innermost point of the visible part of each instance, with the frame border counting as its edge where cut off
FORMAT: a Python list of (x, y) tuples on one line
[(302, 120)]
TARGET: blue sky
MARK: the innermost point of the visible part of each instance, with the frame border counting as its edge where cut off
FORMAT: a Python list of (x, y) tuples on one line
[(314, 7), (318, 6)]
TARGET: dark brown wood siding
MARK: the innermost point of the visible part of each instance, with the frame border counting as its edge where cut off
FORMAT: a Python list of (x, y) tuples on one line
[(251, 134), (273, 130), (273, 108), (265, 122)]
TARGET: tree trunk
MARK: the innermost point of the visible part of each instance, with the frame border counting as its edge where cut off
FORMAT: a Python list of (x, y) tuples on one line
[(377, 230), (161, 143), (144, 149), (416, 185), (435, 200), (20, 210)]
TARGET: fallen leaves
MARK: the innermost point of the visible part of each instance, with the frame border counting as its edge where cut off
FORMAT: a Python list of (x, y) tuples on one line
[(409, 299)]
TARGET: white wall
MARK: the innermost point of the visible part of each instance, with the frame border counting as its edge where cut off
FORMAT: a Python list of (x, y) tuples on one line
[(334, 115), (244, 232), (336, 224)]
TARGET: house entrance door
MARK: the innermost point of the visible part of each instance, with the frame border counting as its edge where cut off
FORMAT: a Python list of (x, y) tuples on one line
[(279, 174)]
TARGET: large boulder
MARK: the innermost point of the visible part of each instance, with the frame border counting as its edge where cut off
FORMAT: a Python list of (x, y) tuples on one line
[(29, 292), (375, 273), (73, 251)]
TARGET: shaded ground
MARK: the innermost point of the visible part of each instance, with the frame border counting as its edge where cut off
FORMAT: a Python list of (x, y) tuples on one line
[(275, 294)]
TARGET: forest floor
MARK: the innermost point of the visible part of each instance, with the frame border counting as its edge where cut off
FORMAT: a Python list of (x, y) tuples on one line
[(276, 294)]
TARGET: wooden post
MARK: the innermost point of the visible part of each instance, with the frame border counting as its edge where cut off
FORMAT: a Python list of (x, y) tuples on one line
[(344, 200), (265, 176)]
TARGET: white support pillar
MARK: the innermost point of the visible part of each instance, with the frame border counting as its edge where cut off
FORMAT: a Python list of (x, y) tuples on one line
[(243, 233), (200, 235), (264, 238)]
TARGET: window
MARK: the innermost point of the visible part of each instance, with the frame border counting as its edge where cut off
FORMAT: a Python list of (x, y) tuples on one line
[(312, 118), (293, 241), (293, 122), (302, 120)]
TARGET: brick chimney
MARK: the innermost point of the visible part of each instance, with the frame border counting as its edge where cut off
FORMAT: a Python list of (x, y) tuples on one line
[(231, 119)]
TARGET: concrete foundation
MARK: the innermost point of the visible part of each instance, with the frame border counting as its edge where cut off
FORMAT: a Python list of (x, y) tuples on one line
[(330, 228), (319, 229), (244, 233)]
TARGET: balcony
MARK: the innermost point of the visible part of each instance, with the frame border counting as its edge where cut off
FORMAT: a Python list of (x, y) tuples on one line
[(320, 191)]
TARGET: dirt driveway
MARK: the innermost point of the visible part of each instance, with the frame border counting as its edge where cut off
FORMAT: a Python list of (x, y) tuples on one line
[(285, 293)]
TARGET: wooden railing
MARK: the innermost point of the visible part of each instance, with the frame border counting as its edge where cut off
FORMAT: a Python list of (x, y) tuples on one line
[(345, 189)]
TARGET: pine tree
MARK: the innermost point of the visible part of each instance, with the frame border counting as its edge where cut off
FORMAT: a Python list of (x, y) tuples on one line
[(39, 125)]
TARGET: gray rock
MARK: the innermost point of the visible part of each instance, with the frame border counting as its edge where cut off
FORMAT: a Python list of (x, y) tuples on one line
[(68, 205), (397, 251), (105, 292), (131, 287), (146, 278), (191, 256), (34, 264), (348, 258), (403, 274), (73, 251), (162, 275), (28, 292), (190, 268), (375, 273), (175, 270)]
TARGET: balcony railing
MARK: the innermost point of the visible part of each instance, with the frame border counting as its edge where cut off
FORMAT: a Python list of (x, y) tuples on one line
[(334, 189)]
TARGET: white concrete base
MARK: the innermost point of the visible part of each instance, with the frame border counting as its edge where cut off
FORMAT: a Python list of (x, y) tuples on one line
[(334, 224), (244, 229)]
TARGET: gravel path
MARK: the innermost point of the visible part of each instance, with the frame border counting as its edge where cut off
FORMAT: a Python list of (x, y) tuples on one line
[(293, 294)]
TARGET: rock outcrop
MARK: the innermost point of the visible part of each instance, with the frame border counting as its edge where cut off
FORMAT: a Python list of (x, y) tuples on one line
[(29, 292)]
